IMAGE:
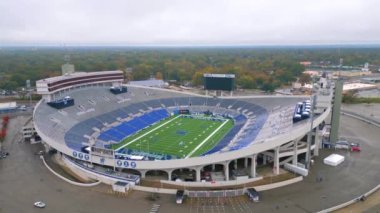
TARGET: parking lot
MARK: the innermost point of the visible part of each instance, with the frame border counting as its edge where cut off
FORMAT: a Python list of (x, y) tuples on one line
[(223, 204)]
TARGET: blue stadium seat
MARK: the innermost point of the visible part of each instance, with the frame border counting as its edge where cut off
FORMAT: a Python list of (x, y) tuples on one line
[(130, 127)]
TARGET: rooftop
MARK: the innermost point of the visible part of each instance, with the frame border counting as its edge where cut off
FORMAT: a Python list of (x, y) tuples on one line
[(219, 75), (357, 86), (77, 74)]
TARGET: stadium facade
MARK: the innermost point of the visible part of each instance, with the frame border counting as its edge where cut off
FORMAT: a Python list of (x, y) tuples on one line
[(87, 121)]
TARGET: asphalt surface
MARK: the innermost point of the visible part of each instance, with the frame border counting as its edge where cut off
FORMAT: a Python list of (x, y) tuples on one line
[(371, 111), (24, 180), (359, 173)]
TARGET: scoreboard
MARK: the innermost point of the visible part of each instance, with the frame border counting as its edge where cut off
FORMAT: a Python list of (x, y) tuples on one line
[(224, 82)]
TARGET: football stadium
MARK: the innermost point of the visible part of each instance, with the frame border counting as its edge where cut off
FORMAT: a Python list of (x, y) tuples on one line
[(115, 132)]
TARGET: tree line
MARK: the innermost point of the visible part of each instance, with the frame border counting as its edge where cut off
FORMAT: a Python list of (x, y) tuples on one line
[(255, 68)]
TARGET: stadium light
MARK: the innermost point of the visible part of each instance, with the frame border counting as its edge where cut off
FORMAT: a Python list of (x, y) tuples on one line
[(309, 135)]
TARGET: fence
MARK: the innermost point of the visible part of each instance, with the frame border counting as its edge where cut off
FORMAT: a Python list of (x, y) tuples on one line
[(217, 193)]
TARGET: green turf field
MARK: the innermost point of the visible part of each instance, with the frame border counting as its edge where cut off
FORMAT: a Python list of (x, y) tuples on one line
[(178, 136)]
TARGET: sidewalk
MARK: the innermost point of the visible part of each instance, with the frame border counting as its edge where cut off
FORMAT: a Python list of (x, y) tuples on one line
[(370, 204)]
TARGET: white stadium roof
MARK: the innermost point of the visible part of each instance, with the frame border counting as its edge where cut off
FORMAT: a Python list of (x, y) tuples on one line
[(76, 74)]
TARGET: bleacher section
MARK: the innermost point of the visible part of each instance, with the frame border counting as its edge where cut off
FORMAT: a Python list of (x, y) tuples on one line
[(116, 133), (97, 113), (249, 134), (239, 122), (130, 127)]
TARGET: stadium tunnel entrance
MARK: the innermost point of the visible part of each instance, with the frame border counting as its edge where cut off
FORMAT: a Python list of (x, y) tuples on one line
[(156, 175), (183, 174), (213, 172), (131, 171), (242, 168)]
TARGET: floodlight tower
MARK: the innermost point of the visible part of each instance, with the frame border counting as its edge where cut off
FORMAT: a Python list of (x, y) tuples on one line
[(337, 101), (313, 98)]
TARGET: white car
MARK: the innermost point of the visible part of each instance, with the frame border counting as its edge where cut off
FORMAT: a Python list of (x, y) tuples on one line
[(39, 204), (342, 145)]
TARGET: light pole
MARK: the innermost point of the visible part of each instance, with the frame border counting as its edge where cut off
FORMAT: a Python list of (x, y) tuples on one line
[(309, 135), (30, 97)]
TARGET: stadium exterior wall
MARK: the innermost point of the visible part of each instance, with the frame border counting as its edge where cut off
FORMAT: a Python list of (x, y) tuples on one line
[(92, 175), (259, 147), (279, 184), (212, 184)]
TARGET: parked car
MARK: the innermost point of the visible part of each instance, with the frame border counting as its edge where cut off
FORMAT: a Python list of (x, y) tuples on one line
[(355, 147), (327, 144), (342, 145), (4, 154), (253, 194), (180, 196), (39, 204), (22, 108)]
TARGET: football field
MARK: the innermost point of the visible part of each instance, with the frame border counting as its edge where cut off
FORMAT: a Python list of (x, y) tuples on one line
[(178, 136)]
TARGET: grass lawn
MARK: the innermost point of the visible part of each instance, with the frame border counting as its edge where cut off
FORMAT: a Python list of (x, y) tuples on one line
[(179, 136)]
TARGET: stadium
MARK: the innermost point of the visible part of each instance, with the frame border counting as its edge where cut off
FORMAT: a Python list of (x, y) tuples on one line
[(100, 125)]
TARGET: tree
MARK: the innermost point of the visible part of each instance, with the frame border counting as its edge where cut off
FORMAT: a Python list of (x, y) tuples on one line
[(142, 72), (8, 85), (268, 87), (246, 82), (349, 97), (197, 78), (248, 64), (159, 76), (304, 78)]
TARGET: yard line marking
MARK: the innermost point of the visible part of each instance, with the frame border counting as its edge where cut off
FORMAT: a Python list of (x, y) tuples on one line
[(205, 140), (143, 135)]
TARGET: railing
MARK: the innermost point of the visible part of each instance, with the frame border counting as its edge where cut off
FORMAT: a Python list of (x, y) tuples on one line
[(360, 198), (67, 180)]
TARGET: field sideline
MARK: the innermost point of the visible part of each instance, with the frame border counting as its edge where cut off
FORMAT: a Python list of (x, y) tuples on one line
[(178, 136)]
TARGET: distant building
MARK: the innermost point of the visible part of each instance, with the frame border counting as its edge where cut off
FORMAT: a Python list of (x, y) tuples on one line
[(365, 68), (350, 87), (352, 73), (50, 87), (311, 72), (357, 87), (305, 63)]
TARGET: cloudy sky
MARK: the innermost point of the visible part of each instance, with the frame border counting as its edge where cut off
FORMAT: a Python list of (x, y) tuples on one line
[(188, 22)]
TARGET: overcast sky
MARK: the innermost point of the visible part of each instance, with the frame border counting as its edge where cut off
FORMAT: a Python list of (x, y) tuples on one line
[(189, 22)]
